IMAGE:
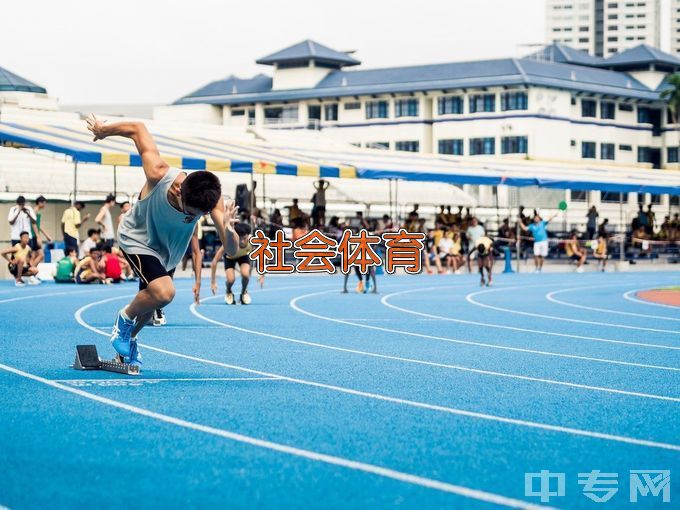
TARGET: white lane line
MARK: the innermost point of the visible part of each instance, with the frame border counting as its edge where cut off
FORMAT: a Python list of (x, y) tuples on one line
[(160, 379), (289, 450), (629, 297), (411, 403), (50, 294), (470, 299), (478, 344), (550, 296), (385, 302), (295, 306)]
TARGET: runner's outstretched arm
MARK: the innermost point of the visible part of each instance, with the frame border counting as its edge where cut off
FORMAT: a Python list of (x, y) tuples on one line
[(154, 166), (224, 218)]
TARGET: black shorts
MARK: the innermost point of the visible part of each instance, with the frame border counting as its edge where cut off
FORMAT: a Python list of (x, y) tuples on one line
[(575, 257), (147, 267), (13, 269), (70, 242), (231, 263)]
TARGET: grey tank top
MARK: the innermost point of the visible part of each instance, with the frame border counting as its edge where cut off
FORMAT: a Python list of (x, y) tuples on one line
[(154, 227)]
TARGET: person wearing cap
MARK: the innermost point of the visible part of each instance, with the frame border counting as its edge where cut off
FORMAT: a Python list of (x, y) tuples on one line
[(21, 218), (71, 221), (105, 221)]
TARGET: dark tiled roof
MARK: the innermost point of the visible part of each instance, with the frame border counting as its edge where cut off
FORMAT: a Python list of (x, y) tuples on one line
[(557, 52), (579, 77), (12, 82), (642, 54), (307, 50)]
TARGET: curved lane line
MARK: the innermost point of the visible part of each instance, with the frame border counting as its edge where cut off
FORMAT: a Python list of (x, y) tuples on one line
[(550, 296), (470, 296), (385, 302)]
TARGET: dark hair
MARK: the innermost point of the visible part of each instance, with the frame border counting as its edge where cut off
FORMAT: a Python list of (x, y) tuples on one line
[(79, 203), (110, 198), (243, 229), (123, 203), (23, 233), (481, 249), (93, 231), (40, 200), (100, 246), (69, 250), (107, 248), (201, 190), (21, 199)]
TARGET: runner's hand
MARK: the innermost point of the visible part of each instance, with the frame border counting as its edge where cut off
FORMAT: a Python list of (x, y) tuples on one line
[(196, 289), (230, 215), (96, 127)]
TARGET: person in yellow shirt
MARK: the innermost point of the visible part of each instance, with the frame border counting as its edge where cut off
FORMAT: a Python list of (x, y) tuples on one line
[(19, 261), (575, 252), (71, 221), (600, 252), (485, 259)]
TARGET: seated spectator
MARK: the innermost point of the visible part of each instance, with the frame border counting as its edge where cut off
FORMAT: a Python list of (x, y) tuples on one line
[(110, 265), (87, 270), (575, 252), (457, 259), (600, 252), (93, 237), (299, 229), (438, 232), (444, 247), (506, 233), (430, 254), (66, 267), (641, 240), (385, 224), (604, 229), (19, 261)]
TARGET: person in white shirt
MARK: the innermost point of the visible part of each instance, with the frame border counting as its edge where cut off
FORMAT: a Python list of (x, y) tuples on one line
[(445, 246), (474, 232), (92, 241), (105, 221), (21, 218)]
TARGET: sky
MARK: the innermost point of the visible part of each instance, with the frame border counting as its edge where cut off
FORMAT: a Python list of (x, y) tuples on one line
[(137, 51)]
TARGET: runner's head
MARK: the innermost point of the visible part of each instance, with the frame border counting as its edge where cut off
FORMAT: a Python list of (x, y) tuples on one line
[(24, 238), (243, 230), (200, 193), (481, 249)]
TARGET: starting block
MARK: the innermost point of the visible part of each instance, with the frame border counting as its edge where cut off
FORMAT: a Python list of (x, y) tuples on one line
[(87, 358)]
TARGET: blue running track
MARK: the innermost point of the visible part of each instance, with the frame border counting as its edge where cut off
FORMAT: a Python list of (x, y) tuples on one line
[(435, 393)]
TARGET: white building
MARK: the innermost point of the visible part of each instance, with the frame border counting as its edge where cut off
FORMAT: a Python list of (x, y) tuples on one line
[(675, 26), (604, 27)]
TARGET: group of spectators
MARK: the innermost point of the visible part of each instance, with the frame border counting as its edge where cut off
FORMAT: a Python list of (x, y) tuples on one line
[(95, 259)]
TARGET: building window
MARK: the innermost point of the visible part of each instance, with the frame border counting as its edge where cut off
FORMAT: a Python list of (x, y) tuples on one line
[(239, 112), (577, 195), (450, 105), (644, 155), (377, 109), (655, 198), (281, 114), (625, 147), (588, 150), (644, 115), (514, 145), (612, 39), (613, 197), (672, 155), (607, 110), (588, 108), (406, 108), (330, 111), (625, 107), (607, 151), (378, 145), (514, 101), (451, 146), (314, 112), (583, 29), (482, 146), (583, 39), (355, 105), (408, 146), (482, 103)]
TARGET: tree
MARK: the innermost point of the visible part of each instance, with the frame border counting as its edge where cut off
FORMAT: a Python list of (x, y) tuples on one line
[(672, 96)]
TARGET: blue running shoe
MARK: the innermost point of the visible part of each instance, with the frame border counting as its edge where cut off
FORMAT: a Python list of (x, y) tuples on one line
[(135, 357), (121, 333)]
